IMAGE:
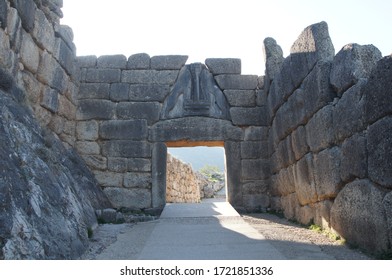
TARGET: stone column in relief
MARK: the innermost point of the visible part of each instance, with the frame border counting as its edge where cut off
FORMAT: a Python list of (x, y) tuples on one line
[(159, 154)]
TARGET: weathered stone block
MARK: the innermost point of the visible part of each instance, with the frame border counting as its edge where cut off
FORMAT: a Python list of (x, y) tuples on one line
[(29, 53), (168, 62), (50, 100), (112, 61), (119, 92), (354, 158), (65, 56), (149, 76), (255, 169), (255, 187), (327, 173), (109, 179), (284, 183), (256, 202), (87, 147), (378, 91), (322, 213), (320, 133), (254, 133), (139, 61), (359, 216), (305, 215), (253, 150), (94, 91), (379, 152), (139, 110), (349, 112), (43, 32), (95, 109), (3, 14), (219, 66), (126, 148), (148, 92), (129, 198), (231, 81), (66, 108), (315, 42), (317, 89), (87, 130), (289, 205), (351, 63), (241, 98), (121, 129), (387, 203), (299, 143), (243, 116), (129, 164), (305, 186), (261, 97), (194, 129), (137, 180), (96, 162), (103, 75), (88, 61), (26, 10), (273, 57)]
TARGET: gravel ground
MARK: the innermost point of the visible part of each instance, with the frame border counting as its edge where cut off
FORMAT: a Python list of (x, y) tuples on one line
[(291, 239)]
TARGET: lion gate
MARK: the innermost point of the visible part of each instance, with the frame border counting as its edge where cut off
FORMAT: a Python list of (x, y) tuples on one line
[(131, 110)]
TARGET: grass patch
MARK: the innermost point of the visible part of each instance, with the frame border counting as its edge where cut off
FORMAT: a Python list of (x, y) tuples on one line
[(331, 235)]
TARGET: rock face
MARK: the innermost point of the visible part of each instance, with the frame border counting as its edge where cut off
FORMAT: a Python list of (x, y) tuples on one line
[(47, 194)]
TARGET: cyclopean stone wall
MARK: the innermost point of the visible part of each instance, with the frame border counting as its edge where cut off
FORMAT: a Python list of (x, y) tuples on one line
[(182, 183), (329, 136), (39, 53)]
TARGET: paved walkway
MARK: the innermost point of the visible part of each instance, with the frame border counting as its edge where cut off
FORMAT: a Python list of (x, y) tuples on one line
[(209, 230)]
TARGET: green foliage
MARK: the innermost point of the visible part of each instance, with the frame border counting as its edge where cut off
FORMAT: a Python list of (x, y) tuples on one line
[(212, 173), (331, 235)]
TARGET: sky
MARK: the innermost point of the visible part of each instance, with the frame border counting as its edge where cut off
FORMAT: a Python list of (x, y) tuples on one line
[(220, 28)]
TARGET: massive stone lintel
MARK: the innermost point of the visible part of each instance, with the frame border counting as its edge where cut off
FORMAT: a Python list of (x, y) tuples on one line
[(195, 93)]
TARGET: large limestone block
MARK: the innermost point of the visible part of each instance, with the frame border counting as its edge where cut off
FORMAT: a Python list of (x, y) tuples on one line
[(94, 91), (358, 215), (273, 57), (378, 90), (241, 98), (103, 75), (299, 143), (354, 158), (349, 112), (112, 61), (137, 180), (149, 76), (304, 180), (129, 198), (123, 129), (3, 14), (194, 129), (244, 116), (219, 66), (352, 63), (87, 130), (387, 202), (284, 182), (232, 81), (327, 173), (320, 132), (119, 164), (256, 133), (119, 92), (44, 32), (312, 45), (148, 92), (29, 53), (290, 204), (168, 62), (26, 10), (139, 110), (379, 148), (322, 213), (139, 61), (126, 148), (95, 109)]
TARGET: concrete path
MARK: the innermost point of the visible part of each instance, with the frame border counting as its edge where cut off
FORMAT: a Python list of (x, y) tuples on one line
[(209, 230)]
